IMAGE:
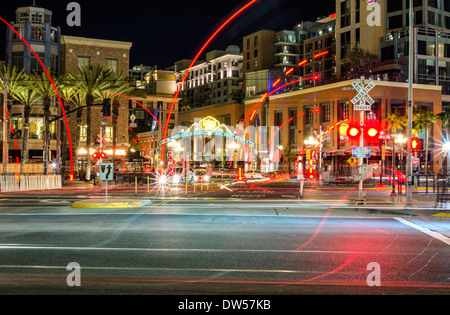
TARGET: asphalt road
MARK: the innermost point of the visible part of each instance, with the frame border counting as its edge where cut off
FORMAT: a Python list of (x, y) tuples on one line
[(221, 247)]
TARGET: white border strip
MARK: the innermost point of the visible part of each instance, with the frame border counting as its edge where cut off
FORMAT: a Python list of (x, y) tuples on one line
[(436, 235)]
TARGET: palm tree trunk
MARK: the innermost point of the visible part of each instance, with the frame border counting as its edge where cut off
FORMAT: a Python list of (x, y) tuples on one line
[(89, 101), (25, 134), (115, 116), (47, 154), (76, 147)]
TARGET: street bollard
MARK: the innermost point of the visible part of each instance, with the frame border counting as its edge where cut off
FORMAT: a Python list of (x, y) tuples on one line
[(135, 186)]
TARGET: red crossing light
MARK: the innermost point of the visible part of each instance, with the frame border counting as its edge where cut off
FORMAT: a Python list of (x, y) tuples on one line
[(353, 132)]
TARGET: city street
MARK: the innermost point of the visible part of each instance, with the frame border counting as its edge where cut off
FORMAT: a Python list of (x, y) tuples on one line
[(218, 247)]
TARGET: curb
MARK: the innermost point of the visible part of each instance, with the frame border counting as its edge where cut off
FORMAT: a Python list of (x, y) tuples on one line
[(92, 204)]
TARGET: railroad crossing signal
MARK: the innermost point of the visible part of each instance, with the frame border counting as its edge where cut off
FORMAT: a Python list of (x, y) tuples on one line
[(363, 96)]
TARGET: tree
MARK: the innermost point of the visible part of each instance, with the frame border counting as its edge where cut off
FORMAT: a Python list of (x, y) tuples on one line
[(68, 94), (90, 81), (359, 62), (395, 122), (42, 85), (424, 120), (13, 84), (237, 96), (120, 86), (290, 154), (26, 97)]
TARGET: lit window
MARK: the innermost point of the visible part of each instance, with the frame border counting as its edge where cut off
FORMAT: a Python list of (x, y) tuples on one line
[(84, 61), (111, 64)]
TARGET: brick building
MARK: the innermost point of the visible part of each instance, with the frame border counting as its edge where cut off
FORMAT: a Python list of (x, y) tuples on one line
[(113, 55)]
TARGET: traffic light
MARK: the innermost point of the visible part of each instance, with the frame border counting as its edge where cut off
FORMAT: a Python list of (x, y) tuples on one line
[(240, 174), (353, 132), (372, 134), (103, 155), (106, 110), (416, 144), (96, 155), (311, 173)]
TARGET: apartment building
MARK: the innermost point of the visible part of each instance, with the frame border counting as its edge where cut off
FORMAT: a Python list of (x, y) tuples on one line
[(212, 81)]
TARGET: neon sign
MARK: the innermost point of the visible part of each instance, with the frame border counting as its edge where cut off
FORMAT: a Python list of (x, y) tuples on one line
[(209, 123)]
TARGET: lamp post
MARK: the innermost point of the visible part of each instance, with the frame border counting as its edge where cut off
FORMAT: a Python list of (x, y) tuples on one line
[(410, 105), (5, 127)]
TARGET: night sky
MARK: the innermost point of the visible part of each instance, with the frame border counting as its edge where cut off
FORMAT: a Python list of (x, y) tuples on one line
[(163, 32)]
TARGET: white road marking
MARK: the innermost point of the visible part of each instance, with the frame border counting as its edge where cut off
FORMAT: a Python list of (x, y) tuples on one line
[(436, 235), (48, 247)]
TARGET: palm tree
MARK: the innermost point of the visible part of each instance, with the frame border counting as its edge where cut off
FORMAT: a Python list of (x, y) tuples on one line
[(424, 120), (90, 81), (121, 87), (68, 93), (79, 100), (359, 62), (13, 80), (44, 87), (395, 122), (27, 97)]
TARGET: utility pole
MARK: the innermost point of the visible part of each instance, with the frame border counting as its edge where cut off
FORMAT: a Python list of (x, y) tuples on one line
[(410, 105), (5, 127)]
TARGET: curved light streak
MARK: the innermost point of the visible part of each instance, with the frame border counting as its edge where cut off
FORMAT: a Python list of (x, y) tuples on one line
[(69, 138), (139, 105), (195, 59)]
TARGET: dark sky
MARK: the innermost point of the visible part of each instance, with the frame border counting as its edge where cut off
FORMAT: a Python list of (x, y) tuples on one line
[(163, 32)]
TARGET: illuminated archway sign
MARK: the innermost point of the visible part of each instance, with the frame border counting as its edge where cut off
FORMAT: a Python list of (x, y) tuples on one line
[(208, 126)]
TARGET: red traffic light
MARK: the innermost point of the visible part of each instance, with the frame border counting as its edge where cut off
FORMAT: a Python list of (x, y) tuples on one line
[(416, 144), (353, 132), (372, 132), (96, 155), (103, 155), (311, 173), (240, 174)]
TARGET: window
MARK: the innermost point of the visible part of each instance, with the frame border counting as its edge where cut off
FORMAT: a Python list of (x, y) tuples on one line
[(343, 110), (83, 133), (84, 61), (111, 64), (325, 110), (308, 116), (256, 64), (109, 134), (255, 43)]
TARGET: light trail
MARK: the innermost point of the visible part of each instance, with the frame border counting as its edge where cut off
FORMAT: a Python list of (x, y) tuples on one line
[(63, 111)]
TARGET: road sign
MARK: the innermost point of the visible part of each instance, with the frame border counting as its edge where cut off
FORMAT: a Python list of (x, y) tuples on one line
[(361, 152), (352, 161), (416, 166), (107, 172)]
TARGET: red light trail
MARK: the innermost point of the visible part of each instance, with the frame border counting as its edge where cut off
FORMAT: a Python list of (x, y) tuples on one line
[(237, 13), (69, 138)]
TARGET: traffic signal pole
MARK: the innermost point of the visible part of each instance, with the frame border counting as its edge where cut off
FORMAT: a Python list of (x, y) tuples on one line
[(410, 106)]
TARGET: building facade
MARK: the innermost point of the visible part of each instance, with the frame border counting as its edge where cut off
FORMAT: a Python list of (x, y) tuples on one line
[(34, 24), (212, 81), (327, 110)]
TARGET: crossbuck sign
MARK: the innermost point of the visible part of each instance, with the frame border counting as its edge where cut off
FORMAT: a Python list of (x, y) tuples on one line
[(362, 101)]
